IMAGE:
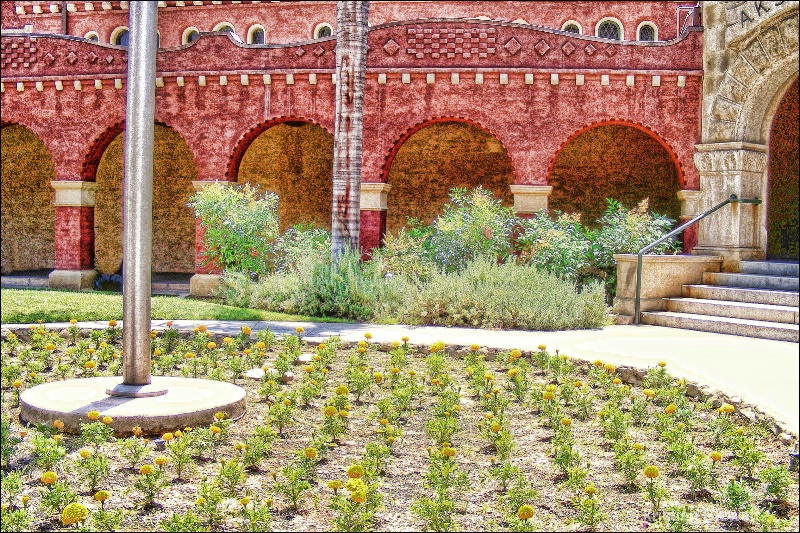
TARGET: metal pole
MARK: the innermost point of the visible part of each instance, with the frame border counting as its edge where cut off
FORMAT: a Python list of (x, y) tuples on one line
[(137, 209)]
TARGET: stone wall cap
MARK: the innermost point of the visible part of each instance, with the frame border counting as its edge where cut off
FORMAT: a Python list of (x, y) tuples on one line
[(713, 147), (677, 258)]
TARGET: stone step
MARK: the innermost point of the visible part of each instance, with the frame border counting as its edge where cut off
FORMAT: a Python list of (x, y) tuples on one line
[(748, 311), (751, 281), (20, 282), (740, 294), (730, 326), (770, 268)]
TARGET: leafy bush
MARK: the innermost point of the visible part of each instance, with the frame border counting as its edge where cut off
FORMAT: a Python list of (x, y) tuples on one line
[(240, 225), (557, 245)]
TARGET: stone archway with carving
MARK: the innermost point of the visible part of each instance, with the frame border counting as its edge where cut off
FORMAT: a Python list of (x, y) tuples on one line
[(751, 57)]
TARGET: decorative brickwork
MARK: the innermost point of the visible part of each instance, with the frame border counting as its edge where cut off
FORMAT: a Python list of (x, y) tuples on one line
[(28, 238)]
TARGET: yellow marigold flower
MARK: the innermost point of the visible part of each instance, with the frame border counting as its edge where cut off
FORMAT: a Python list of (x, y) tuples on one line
[(662, 364), (299, 329), (146, 470), (474, 347), (638, 446), (650, 393), (449, 452), (16, 384), (216, 430), (261, 345), (488, 377), (220, 415), (355, 471), (514, 355), (344, 413), (49, 477), (89, 365), (153, 334), (74, 513), (342, 390), (227, 340), (157, 352), (551, 388), (112, 323), (404, 338), (513, 372), (239, 446), (58, 424), (211, 345), (610, 368), (412, 372), (590, 490), (456, 407), (161, 460), (137, 431), (358, 497), (310, 453), (651, 472), (496, 390), (496, 427), (322, 346), (566, 422), (378, 377), (525, 512), (727, 408), (384, 421), (394, 370), (616, 381), (437, 347), (308, 369), (488, 416), (107, 420), (548, 395), (368, 335), (103, 345), (187, 429), (200, 501), (73, 321), (287, 402), (102, 495), (188, 355), (50, 346), (335, 484), (84, 453), (246, 330), (470, 371), (331, 411), (93, 415), (167, 437), (715, 456), (670, 409), (542, 347), (598, 363), (58, 437), (90, 351), (201, 328), (244, 501)]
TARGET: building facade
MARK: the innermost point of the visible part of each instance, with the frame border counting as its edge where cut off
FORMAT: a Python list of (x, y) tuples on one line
[(549, 105)]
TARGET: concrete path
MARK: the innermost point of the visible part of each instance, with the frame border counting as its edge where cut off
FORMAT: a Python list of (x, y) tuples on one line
[(764, 373)]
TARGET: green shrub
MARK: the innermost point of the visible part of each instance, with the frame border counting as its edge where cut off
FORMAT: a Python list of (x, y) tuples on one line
[(240, 225), (556, 245)]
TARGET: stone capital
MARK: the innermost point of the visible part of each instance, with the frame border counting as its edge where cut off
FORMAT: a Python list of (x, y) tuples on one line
[(74, 193), (690, 203), (730, 157), (200, 185), (374, 196), (530, 199)]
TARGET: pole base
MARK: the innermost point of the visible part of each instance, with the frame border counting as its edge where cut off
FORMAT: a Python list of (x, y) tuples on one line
[(136, 391)]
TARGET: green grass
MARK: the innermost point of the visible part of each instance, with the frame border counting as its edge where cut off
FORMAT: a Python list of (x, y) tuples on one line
[(28, 306)]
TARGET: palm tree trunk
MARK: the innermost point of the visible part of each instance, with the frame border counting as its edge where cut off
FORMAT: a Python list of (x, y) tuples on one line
[(351, 64)]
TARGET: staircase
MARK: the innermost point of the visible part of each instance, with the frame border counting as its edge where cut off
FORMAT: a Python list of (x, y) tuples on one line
[(759, 301)]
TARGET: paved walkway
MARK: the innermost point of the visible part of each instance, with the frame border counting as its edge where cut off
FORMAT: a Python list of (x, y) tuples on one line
[(764, 373)]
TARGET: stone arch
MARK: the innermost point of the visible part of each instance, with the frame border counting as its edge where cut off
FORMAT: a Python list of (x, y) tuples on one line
[(478, 157), (28, 221), (604, 160), (173, 222), (292, 157), (782, 171)]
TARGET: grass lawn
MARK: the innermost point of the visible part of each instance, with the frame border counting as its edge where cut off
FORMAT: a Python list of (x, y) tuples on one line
[(28, 306)]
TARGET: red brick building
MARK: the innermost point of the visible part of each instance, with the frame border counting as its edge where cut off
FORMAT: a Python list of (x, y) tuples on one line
[(548, 104)]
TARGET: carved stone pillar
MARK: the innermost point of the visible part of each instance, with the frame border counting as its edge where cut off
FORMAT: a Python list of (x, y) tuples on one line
[(74, 202), (530, 199), (736, 232), (690, 208), (374, 198)]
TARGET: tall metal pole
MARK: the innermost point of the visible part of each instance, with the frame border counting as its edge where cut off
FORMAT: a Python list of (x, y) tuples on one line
[(137, 196)]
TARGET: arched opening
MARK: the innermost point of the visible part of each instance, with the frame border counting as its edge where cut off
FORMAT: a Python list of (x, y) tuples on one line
[(295, 161), (782, 196), (323, 30), (438, 157), (173, 222), (614, 161), (609, 28), (28, 221)]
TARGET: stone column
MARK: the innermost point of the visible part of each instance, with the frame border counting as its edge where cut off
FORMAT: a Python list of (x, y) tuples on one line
[(530, 199), (374, 198), (736, 232), (207, 275), (74, 202), (690, 208)]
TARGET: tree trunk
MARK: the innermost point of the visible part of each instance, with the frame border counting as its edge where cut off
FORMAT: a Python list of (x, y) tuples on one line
[(351, 64)]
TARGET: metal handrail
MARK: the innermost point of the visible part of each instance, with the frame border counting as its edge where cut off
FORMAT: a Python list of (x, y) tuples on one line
[(733, 199)]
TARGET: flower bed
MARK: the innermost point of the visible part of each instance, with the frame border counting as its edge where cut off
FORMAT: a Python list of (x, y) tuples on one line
[(366, 436)]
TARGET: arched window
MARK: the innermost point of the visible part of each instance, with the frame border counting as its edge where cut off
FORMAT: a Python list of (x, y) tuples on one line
[(323, 30), (255, 35), (647, 32), (572, 27), (190, 34), (610, 28), (120, 36), (224, 26), (92, 36)]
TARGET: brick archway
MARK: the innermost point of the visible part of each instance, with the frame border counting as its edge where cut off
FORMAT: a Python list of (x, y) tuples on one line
[(782, 189)]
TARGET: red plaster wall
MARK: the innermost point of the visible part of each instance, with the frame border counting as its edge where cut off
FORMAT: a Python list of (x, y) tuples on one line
[(373, 228), (75, 242)]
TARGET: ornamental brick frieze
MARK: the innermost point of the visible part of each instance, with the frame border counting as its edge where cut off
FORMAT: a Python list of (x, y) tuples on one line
[(48, 55)]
